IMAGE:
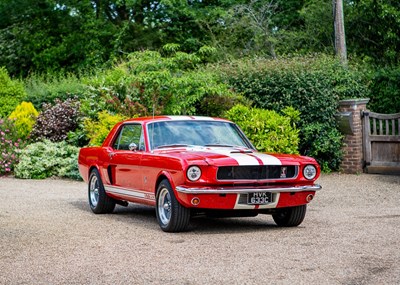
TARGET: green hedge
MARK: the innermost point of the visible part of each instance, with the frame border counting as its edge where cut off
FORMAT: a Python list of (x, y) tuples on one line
[(311, 85), (385, 90), (47, 89)]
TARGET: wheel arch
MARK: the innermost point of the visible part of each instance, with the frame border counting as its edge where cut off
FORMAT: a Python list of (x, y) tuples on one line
[(164, 175), (91, 169)]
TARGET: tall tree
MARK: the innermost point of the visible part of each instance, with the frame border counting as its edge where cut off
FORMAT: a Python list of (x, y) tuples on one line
[(340, 36), (373, 29)]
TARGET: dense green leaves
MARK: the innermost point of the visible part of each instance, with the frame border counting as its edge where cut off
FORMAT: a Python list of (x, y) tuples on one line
[(311, 85), (373, 29), (139, 57), (12, 93), (46, 159), (52, 36), (385, 91), (267, 130), (149, 83)]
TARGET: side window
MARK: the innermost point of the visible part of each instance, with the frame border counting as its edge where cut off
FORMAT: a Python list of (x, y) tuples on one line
[(130, 134)]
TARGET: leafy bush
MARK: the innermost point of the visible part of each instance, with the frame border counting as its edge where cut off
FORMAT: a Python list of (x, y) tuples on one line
[(149, 83), (10, 146), (97, 130), (54, 122), (24, 117), (311, 85), (385, 91), (11, 93), (46, 89), (269, 131), (47, 159), (325, 144)]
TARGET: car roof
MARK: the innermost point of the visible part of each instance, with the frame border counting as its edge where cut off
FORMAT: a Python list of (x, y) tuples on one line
[(173, 118)]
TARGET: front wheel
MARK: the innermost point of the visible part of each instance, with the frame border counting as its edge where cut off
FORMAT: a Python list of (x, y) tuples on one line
[(290, 217), (99, 202), (171, 215)]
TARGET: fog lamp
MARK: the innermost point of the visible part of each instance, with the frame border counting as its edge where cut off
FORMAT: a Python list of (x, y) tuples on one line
[(195, 201)]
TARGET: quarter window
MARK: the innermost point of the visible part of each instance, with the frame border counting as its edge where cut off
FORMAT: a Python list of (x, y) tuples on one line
[(131, 133)]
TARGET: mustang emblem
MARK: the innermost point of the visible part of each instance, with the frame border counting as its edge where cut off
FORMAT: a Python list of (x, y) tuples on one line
[(283, 172)]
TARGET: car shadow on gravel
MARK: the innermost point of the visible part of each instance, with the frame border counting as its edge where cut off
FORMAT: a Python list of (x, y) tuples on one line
[(145, 217), (207, 225)]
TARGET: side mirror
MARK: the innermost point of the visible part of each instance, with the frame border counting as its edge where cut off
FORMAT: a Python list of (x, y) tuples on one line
[(132, 147)]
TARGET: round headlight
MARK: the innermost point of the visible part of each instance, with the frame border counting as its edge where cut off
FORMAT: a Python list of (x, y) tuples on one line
[(310, 171), (193, 173)]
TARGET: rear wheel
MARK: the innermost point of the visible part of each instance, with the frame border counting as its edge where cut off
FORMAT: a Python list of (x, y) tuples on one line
[(290, 217), (99, 202), (171, 215)]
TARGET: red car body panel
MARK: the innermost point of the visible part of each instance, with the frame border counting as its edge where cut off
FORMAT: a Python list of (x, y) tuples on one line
[(134, 175)]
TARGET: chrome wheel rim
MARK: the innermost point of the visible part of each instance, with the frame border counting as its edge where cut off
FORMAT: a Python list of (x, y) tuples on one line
[(94, 191), (164, 206)]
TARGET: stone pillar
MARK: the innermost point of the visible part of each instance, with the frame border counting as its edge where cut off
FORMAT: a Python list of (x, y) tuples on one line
[(351, 111)]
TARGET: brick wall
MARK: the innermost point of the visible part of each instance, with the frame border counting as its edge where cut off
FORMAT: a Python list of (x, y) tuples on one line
[(353, 160)]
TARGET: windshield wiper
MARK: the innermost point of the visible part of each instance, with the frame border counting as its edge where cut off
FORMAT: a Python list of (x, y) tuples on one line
[(171, 145), (219, 145)]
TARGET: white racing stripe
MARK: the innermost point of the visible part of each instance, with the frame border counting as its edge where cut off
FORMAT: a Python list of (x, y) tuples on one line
[(244, 159), (267, 159), (241, 158), (252, 158)]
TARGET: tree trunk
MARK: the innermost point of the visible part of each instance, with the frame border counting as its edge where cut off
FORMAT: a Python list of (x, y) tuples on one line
[(340, 38)]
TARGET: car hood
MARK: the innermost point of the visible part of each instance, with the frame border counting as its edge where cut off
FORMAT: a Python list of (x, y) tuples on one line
[(222, 156)]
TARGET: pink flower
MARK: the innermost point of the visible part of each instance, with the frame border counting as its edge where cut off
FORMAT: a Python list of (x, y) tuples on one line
[(8, 169)]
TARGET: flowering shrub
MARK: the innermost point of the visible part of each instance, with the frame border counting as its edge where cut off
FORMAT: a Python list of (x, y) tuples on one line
[(56, 121), (10, 147), (24, 117), (47, 159)]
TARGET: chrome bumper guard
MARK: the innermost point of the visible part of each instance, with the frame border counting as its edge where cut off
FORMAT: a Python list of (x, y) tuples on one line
[(223, 190)]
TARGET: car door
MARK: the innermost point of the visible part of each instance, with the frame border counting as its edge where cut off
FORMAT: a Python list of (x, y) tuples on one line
[(126, 158)]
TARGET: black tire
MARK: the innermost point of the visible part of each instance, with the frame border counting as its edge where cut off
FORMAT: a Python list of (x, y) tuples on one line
[(290, 217), (171, 215), (99, 202)]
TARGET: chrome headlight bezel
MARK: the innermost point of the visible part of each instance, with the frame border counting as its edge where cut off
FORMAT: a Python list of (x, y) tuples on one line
[(310, 172), (193, 173)]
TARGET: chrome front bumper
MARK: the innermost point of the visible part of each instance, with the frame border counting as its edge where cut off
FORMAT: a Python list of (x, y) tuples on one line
[(232, 190)]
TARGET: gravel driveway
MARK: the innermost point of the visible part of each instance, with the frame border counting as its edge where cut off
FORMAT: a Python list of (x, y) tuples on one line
[(48, 235)]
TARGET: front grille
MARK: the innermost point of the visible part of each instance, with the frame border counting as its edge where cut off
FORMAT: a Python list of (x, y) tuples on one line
[(256, 172)]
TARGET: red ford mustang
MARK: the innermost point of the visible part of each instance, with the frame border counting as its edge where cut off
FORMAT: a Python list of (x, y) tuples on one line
[(186, 166)]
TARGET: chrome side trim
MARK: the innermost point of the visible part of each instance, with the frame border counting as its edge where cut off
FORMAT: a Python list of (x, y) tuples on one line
[(130, 193), (222, 190)]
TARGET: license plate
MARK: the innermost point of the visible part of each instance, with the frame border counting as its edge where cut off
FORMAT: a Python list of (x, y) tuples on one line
[(259, 198)]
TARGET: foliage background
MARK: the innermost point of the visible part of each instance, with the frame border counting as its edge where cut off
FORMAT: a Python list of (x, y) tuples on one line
[(128, 58)]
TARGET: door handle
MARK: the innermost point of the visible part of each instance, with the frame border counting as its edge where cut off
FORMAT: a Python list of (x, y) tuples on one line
[(111, 154)]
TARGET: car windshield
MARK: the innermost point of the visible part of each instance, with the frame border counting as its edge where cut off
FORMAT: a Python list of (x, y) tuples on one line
[(195, 133)]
